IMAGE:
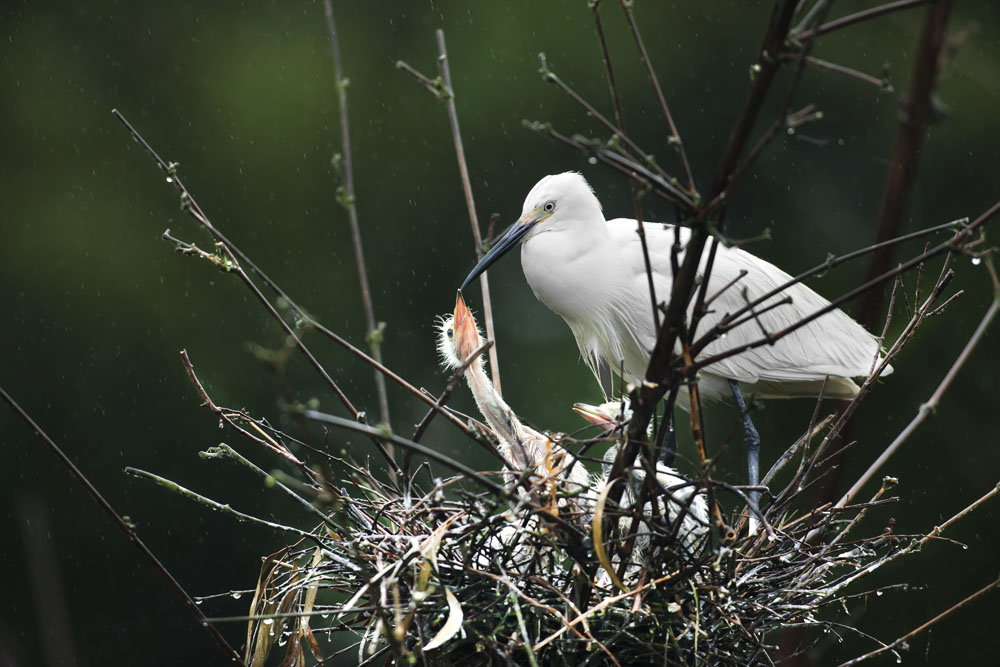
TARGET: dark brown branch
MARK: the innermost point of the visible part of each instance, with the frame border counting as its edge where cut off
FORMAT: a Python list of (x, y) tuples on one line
[(916, 114), (644, 404), (124, 526)]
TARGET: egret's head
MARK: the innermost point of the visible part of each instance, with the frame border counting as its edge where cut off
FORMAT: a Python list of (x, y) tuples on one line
[(458, 336), (554, 203), (606, 415)]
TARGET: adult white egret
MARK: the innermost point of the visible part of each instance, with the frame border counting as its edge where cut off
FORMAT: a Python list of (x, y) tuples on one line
[(591, 272)]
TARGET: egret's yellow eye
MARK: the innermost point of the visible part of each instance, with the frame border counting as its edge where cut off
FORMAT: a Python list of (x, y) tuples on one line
[(549, 206)]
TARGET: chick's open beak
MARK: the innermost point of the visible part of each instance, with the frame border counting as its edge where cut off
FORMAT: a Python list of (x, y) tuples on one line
[(466, 336)]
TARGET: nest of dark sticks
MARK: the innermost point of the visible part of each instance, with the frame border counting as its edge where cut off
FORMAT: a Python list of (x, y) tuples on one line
[(459, 575)]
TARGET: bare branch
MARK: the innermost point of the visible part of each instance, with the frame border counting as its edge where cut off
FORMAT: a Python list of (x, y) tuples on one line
[(347, 200), (123, 525)]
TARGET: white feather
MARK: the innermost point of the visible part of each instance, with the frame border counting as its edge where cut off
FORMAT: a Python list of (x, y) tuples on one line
[(591, 272)]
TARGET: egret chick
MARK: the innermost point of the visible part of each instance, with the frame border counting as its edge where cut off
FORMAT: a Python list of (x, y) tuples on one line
[(591, 272), (685, 503), (522, 446)]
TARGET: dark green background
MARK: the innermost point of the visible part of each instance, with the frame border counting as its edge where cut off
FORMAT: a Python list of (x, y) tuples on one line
[(242, 95)]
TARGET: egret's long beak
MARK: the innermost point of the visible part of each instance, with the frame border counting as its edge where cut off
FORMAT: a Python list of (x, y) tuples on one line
[(509, 239)]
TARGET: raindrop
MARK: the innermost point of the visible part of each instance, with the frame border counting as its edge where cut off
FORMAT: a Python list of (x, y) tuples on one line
[(237, 595), (976, 261), (198, 601), (878, 593), (268, 621), (170, 179), (592, 160)]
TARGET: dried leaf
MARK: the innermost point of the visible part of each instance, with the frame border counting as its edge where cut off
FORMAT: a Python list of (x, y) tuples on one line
[(598, 532), (451, 626), (305, 632)]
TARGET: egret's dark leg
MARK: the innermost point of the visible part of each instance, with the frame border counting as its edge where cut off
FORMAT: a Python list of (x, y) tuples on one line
[(751, 440), (668, 439)]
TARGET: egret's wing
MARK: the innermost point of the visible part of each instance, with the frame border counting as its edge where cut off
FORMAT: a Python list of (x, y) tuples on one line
[(833, 344)]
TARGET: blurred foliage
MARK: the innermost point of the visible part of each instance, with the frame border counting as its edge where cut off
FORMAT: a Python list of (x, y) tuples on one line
[(243, 96)]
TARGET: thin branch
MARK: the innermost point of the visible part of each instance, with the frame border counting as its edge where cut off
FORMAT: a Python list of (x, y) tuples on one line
[(927, 408), (882, 84), (633, 186), (858, 17), (924, 626), (432, 454), (235, 256), (225, 508), (726, 322), (450, 387), (470, 203), (347, 200), (125, 526), (645, 402), (947, 246), (675, 136)]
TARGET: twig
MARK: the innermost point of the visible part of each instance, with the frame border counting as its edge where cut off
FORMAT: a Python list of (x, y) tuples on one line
[(432, 454), (347, 200), (882, 84), (125, 527), (675, 136), (912, 633), (820, 268), (948, 246), (858, 17), (450, 387), (463, 171), (927, 408), (633, 186), (271, 444), (225, 508), (235, 257)]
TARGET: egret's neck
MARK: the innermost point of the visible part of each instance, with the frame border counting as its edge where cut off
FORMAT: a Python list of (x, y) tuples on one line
[(508, 428), (566, 263)]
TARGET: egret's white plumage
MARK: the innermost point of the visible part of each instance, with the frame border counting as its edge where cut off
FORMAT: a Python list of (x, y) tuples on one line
[(686, 504), (591, 272)]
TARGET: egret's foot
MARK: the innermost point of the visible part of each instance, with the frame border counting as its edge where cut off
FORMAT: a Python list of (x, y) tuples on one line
[(751, 441)]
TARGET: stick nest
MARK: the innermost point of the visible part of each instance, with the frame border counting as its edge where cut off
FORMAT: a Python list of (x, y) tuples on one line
[(455, 575)]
